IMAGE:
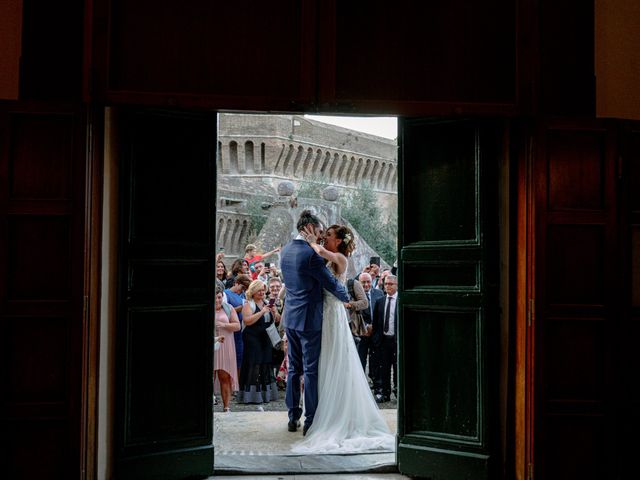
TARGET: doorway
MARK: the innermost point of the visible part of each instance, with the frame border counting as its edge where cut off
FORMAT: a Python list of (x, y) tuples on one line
[(271, 168), (449, 278)]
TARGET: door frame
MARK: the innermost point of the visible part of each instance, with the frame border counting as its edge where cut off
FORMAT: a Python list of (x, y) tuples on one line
[(98, 359), (524, 345)]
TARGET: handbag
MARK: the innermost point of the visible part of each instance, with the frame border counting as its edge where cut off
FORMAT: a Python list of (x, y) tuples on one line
[(357, 324), (273, 334)]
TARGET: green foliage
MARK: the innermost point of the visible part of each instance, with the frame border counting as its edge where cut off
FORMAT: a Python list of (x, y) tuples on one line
[(257, 216), (361, 210)]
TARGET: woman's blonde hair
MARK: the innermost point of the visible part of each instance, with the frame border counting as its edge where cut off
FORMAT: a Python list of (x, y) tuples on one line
[(254, 287)]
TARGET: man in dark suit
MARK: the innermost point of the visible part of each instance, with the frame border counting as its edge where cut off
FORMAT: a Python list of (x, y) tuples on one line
[(385, 328), (305, 275), (365, 347)]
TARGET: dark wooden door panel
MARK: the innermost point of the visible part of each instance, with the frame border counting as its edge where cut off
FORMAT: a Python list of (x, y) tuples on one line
[(576, 289), (203, 53), (165, 320), (41, 289), (448, 299), (628, 359), (375, 54)]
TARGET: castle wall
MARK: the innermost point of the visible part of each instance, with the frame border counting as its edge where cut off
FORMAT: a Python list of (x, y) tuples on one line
[(257, 152)]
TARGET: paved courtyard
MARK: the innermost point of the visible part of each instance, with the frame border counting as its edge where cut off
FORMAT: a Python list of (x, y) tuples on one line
[(258, 442)]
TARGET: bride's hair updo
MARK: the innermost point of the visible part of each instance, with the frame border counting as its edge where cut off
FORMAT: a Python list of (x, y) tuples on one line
[(344, 233)]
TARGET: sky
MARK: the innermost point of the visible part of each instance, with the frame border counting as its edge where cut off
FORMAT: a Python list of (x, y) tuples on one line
[(386, 127)]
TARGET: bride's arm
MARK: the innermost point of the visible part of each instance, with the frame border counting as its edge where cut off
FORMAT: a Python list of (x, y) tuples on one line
[(334, 257), (326, 254)]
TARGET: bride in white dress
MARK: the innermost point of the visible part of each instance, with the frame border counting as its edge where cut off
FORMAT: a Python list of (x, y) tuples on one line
[(347, 419)]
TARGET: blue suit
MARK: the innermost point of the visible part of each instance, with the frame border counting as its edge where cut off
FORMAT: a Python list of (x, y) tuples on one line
[(305, 276)]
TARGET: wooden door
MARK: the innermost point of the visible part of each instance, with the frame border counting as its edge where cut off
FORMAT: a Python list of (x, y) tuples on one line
[(448, 301), (42, 198), (221, 55), (164, 346), (628, 413), (577, 285), (427, 58)]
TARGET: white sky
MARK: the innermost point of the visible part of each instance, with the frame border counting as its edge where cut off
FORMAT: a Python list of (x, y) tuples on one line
[(386, 127)]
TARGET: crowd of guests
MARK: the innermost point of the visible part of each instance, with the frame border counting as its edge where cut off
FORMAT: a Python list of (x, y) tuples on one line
[(250, 361)]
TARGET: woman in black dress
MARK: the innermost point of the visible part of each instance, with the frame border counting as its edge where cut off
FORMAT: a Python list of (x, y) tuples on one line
[(257, 382)]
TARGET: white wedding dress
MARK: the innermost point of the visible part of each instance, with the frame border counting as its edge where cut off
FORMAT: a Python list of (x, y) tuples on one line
[(347, 418)]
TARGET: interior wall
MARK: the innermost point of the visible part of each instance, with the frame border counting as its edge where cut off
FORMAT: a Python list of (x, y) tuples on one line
[(108, 300), (10, 48), (617, 58)]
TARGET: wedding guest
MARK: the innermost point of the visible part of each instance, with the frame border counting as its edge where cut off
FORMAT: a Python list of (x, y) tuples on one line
[(236, 268), (385, 327), (365, 347), (383, 276), (246, 269), (235, 298), (221, 271), (225, 370), (217, 341), (252, 257), (274, 272), (261, 273), (283, 370), (257, 382), (274, 285), (374, 271), (357, 303)]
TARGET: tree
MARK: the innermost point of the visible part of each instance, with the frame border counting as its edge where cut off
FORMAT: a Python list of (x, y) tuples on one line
[(257, 215), (361, 209)]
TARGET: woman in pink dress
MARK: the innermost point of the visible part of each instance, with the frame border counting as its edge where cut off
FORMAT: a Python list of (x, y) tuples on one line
[(225, 369)]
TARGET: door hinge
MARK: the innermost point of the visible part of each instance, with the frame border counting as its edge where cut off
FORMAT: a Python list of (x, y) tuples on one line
[(530, 471), (531, 312)]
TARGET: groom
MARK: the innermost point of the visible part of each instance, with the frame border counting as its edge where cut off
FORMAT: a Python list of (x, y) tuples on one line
[(305, 276)]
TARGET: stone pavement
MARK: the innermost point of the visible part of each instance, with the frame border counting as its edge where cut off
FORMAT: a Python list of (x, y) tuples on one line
[(341, 476), (258, 443)]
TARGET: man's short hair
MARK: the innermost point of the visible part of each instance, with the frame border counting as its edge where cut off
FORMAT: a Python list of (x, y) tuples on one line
[(243, 279), (307, 218), (249, 247)]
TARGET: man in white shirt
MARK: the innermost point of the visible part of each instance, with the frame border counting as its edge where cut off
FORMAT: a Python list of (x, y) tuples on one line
[(385, 326)]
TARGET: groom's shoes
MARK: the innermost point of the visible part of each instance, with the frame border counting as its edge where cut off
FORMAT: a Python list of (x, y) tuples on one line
[(304, 430), (293, 425)]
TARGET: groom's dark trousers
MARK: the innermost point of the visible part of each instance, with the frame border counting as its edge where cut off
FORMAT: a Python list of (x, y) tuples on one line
[(303, 345)]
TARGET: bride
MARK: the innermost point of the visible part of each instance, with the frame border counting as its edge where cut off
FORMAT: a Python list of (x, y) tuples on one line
[(347, 419)]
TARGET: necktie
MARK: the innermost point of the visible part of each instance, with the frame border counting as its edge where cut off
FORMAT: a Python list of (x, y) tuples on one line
[(369, 300), (386, 315)]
